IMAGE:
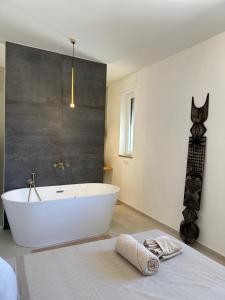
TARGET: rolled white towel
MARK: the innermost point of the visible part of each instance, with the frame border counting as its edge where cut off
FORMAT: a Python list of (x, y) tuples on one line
[(137, 254)]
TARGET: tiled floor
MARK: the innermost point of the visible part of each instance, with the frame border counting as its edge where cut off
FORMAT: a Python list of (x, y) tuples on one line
[(128, 220), (125, 220)]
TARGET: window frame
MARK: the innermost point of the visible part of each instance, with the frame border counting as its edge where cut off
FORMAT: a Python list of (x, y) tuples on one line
[(127, 124)]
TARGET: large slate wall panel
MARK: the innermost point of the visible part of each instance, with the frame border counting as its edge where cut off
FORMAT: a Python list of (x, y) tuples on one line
[(2, 132), (41, 128)]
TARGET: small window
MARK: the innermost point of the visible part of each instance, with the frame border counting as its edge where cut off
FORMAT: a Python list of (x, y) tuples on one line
[(127, 124)]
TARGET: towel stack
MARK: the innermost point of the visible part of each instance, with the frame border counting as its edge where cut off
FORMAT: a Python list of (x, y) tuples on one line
[(146, 257), (163, 247)]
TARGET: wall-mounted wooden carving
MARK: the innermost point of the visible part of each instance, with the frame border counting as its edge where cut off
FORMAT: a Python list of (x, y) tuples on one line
[(189, 231)]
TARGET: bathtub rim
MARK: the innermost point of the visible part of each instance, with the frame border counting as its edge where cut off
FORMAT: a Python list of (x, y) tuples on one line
[(5, 194)]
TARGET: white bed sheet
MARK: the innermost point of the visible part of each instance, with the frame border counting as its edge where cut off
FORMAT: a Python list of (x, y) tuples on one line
[(8, 284), (95, 271)]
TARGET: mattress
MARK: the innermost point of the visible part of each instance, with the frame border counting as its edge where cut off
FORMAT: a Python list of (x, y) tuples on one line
[(95, 271)]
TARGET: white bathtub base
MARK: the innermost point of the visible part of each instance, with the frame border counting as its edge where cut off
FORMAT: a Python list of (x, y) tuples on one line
[(86, 211)]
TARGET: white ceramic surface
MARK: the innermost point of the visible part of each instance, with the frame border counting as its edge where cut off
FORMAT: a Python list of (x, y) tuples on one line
[(66, 213)]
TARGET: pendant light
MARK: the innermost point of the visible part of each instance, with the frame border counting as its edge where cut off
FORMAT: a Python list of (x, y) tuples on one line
[(72, 102)]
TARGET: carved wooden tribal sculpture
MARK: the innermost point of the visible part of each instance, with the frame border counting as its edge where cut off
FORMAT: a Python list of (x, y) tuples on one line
[(189, 231)]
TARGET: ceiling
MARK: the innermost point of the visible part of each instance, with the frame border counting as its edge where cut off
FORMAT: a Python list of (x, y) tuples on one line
[(125, 34)]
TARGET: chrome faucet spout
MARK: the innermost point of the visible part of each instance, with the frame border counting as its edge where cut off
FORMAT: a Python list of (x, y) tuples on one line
[(61, 166)]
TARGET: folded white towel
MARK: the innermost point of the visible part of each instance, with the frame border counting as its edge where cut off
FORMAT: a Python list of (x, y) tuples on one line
[(163, 247), (137, 254)]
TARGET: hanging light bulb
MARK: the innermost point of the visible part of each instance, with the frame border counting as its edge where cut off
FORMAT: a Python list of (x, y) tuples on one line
[(72, 102)]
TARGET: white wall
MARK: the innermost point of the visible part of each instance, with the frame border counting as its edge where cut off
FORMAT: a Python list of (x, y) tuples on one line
[(153, 181)]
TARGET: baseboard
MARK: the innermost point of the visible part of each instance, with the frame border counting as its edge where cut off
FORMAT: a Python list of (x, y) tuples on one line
[(198, 246), (203, 248)]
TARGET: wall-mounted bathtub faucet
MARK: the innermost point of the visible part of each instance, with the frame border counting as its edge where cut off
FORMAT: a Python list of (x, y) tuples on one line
[(60, 165), (31, 183)]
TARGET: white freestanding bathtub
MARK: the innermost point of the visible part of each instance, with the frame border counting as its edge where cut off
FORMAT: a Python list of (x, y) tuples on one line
[(66, 213)]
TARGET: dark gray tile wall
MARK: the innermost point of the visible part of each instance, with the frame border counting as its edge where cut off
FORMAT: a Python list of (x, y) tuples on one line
[(2, 133), (42, 129)]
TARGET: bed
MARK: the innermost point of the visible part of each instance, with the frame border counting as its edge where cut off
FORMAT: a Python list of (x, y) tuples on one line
[(95, 271)]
